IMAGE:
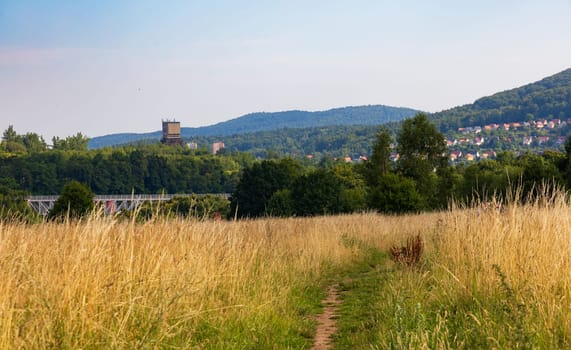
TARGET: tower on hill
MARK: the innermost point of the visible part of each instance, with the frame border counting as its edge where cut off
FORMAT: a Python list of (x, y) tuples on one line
[(171, 133)]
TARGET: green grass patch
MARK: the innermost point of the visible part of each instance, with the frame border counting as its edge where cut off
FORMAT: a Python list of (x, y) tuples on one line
[(392, 306), (360, 287)]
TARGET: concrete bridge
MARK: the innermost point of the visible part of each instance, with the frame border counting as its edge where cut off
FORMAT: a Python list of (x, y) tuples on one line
[(111, 202)]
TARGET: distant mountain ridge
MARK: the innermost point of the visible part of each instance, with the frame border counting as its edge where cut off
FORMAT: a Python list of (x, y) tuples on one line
[(266, 121), (547, 98)]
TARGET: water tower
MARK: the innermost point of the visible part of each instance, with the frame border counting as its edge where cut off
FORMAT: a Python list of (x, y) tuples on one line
[(171, 133)]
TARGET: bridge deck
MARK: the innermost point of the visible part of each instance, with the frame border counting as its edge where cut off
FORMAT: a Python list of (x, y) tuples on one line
[(112, 202)]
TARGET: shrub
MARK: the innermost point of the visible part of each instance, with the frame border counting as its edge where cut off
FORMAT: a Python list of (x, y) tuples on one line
[(395, 194), (75, 201), (199, 206), (409, 254)]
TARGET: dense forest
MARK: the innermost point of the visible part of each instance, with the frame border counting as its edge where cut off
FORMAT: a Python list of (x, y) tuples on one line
[(319, 142), (420, 179), (26, 164)]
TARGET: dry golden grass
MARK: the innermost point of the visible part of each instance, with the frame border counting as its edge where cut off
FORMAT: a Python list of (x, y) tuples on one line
[(105, 283), (491, 277), (528, 245), (109, 283)]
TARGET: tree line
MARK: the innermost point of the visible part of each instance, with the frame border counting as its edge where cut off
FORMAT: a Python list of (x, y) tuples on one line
[(420, 179)]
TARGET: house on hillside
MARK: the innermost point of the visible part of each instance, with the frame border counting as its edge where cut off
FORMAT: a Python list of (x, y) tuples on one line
[(217, 146), (542, 139), (487, 155), (527, 140), (455, 155), (478, 141)]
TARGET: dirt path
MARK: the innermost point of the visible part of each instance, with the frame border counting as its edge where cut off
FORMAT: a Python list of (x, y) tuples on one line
[(327, 324)]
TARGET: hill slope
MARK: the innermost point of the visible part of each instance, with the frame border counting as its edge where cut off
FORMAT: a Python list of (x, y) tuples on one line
[(256, 122), (547, 98)]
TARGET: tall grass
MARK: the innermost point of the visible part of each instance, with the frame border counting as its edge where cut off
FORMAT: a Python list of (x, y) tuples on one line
[(489, 277), (494, 277), (105, 283), (518, 256)]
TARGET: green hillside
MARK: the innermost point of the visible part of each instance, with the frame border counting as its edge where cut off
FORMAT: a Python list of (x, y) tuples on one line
[(350, 130), (333, 141), (257, 122), (548, 98)]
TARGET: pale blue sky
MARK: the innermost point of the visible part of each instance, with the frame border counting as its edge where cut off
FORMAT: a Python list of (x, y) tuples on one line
[(110, 66)]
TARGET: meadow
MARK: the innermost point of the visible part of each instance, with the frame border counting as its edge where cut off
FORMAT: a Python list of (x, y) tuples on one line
[(488, 278)]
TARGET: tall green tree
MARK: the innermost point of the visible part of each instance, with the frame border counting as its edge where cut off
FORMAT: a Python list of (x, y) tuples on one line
[(10, 135), (422, 153), (379, 163), (280, 204), (13, 204), (395, 194), (421, 147), (568, 157), (12, 142), (258, 184), (317, 193), (538, 171), (34, 142), (77, 142), (76, 200)]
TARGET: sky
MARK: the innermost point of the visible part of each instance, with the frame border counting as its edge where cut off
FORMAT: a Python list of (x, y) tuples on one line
[(110, 66)]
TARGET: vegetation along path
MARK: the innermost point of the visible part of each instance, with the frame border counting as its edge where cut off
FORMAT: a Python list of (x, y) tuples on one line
[(348, 318)]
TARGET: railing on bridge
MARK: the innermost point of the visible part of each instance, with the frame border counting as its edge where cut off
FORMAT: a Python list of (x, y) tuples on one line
[(112, 202)]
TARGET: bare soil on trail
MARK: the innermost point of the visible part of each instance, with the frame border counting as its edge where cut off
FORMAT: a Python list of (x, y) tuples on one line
[(327, 324)]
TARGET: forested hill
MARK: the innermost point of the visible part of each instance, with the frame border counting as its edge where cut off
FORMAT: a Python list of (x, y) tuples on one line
[(255, 122), (548, 98)]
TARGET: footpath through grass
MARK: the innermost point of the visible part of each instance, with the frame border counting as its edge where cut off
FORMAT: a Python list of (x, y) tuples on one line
[(487, 279), (387, 305), (361, 288)]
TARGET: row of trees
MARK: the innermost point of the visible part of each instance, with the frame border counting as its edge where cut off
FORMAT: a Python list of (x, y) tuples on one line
[(31, 142), (146, 169), (421, 179), (414, 183)]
